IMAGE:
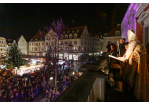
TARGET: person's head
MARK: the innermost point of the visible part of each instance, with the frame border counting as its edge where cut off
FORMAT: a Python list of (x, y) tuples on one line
[(126, 45), (113, 46), (122, 40), (11, 96), (131, 35), (16, 94)]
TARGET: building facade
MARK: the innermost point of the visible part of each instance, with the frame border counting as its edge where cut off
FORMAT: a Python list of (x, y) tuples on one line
[(37, 44), (75, 43), (3, 45), (23, 45), (114, 36), (137, 18)]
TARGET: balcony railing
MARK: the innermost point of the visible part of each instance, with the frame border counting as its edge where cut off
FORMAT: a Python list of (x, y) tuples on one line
[(89, 87)]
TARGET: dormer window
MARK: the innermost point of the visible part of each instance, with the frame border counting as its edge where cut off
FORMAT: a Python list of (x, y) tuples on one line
[(67, 32), (66, 36), (117, 33), (77, 31), (75, 35), (72, 31), (70, 36)]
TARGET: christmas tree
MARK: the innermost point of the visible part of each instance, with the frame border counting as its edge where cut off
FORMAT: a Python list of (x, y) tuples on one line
[(13, 57)]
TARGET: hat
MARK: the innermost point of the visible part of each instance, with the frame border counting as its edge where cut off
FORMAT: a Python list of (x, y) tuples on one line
[(131, 35)]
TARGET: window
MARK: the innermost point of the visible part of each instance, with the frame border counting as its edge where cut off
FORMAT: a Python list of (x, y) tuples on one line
[(66, 36), (1, 49), (53, 38), (49, 38), (1, 45), (65, 42), (88, 48), (4, 45), (82, 36), (39, 43), (81, 42), (84, 48), (70, 36), (77, 31), (67, 32), (75, 42), (2, 41), (47, 43), (32, 44), (75, 35), (88, 43), (42, 43), (72, 31), (70, 43), (74, 48), (35, 48), (117, 33), (32, 48), (85, 43)]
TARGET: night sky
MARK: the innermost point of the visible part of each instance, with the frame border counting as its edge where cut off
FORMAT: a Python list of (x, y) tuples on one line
[(27, 19)]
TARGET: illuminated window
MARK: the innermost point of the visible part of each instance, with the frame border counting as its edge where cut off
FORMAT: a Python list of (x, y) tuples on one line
[(75, 35), (70, 36)]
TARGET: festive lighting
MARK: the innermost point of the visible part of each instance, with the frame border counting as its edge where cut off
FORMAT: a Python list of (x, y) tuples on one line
[(129, 20), (51, 78), (34, 61), (73, 73)]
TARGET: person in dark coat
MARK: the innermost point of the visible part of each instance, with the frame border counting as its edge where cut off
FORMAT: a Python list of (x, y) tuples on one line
[(122, 47), (5, 99), (1, 98), (108, 46), (12, 99), (113, 52), (22, 96), (17, 98)]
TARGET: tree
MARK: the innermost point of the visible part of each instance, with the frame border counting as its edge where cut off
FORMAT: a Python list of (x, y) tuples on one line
[(13, 57), (57, 26)]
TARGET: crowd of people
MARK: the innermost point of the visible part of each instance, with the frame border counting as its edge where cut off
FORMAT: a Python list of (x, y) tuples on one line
[(25, 88)]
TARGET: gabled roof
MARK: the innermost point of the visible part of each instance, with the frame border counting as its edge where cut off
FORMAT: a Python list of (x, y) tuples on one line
[(39, 35), (80, 28), (112, 32)]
